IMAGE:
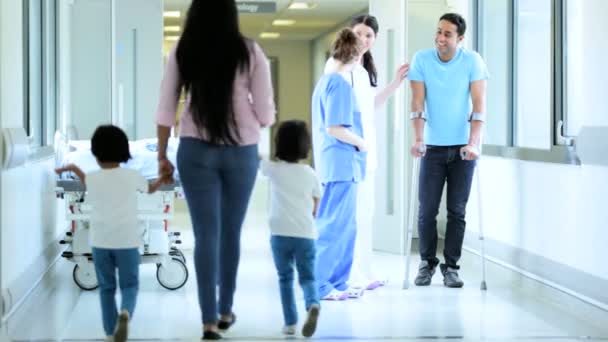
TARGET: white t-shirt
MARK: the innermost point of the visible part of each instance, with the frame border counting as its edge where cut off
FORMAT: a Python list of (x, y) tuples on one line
[(112, 194), (292, 188), (365, 96)]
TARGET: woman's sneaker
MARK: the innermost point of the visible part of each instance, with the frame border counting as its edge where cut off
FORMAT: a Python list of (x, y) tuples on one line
[(122, 327), (309, 327), (289, 329)]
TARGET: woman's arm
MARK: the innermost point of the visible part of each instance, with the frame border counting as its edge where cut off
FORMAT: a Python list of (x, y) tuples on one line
[(170, 92), (261, 88), (165, 168), (347, 136), (390, 89)]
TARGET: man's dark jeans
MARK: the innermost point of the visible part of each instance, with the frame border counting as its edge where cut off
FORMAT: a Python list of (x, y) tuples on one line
[(439, 165)]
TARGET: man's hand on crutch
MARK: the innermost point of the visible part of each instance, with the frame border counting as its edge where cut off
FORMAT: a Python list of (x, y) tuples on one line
[(418, 149)]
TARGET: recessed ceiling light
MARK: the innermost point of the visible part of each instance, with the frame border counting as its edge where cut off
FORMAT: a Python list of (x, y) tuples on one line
[(172, 28), (270, 35), (172, 14), (283, 22), (300, 5), (171, 38)]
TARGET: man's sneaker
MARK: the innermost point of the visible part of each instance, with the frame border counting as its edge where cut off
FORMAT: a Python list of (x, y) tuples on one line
[(450, 277), (309, 327), (122, 327), (425, 274), (289, 329)]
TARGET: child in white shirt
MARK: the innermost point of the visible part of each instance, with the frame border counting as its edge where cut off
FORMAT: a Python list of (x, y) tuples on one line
[(294, 198), (114, 234)]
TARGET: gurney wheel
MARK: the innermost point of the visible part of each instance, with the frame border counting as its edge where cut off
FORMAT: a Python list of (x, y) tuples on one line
[(173, 274), (85, 277)]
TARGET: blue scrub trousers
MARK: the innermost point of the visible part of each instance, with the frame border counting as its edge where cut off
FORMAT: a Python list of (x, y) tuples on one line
[(337, 232)]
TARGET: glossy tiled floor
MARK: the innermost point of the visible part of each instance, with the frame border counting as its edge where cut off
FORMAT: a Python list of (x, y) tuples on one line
[(513, 308)]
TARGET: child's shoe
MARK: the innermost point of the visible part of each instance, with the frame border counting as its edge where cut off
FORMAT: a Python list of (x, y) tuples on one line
[(122, 327), (309, 327), (289, 329)]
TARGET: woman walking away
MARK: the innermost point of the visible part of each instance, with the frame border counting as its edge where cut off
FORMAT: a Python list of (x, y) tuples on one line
[(226, 79)]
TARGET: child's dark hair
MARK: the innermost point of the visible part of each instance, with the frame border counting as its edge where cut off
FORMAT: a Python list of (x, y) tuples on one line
[(292, 141), (109, 144)]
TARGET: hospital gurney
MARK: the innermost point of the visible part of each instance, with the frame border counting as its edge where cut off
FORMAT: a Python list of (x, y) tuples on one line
[(159, 246)]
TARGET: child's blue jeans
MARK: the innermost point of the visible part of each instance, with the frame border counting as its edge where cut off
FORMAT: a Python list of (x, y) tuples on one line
[(286, 252), (106, 262)]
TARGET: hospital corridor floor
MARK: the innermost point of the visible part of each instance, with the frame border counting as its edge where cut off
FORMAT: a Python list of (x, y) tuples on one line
[(514, 308)]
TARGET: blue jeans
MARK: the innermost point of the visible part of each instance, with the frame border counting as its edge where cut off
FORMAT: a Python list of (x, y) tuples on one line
[(286, 251), (106, 262), (217, 182), (439, 165)]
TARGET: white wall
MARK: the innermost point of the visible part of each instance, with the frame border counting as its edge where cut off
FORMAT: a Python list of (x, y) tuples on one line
[(295, 84), (116, 63), (28, 224), (391, 127), (138, 61), (90, 64), (586, 72)]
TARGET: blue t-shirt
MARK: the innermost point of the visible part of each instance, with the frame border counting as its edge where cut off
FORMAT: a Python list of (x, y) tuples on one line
[(333, 104), (448, 95)]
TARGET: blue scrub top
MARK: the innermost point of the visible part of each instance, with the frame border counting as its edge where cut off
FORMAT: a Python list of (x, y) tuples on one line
[(333, 104), (448, 95)]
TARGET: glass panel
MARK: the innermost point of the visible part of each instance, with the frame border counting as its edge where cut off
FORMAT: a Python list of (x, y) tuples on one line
[(49, 120), (34, 71), (390, 131), (495, 47), (533, 74)]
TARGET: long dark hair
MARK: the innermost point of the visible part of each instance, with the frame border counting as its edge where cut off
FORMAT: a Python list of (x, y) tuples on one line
[(210, 52), (368, 60)]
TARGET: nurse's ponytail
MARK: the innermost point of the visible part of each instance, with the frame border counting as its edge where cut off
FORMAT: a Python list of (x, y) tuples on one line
[(347, 47)]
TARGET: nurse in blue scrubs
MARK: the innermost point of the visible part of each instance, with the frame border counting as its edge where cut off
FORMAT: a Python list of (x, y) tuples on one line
[(339, 154)]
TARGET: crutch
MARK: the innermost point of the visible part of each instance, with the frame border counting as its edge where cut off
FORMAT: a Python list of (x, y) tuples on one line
[(410, 223), (484, 287), (482, 249)]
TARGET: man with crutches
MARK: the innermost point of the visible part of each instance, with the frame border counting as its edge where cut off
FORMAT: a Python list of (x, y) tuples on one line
[(450, 82)]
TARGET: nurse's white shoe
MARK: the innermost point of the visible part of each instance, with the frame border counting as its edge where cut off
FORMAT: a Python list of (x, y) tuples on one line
[(354, 293), (335, 295)]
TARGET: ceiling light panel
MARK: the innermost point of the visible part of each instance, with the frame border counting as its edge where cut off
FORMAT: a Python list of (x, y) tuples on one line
[(283, 22), (270, 35), (172, 14)]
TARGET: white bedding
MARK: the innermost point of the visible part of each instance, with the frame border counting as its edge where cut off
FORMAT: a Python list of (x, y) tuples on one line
[(143, 153)]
